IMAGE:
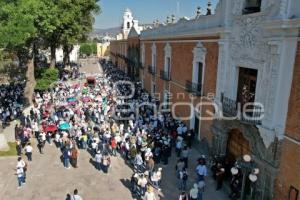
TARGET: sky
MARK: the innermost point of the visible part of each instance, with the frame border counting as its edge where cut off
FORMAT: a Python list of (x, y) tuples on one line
[(146, 11)]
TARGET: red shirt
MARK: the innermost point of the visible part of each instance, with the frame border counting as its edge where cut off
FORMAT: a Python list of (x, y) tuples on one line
[(113, 144)]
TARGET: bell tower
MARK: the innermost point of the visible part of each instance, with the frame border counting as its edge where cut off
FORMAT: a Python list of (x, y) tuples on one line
[(127, 22)]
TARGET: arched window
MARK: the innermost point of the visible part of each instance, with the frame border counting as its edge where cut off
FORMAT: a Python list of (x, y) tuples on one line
[(128, 25), (251, 6)]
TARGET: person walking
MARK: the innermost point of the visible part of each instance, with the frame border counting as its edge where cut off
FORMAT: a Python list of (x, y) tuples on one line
[(149, 195), (178, 145), (220, 175), (194, 192), (179, 166), (159, 175), (76, 196), (183, 177), (19, 147), (142, 182), (28, 151), (84, 139), (105, 163), (201, 185), (74, 157), (183, 196), (66, 158), (201, 169), (154, 180), (23, 165), (41, 143), (138, 162), (113, 145), (98, 160), (150, 165), (185, 155), (134, 183), (20, 176)]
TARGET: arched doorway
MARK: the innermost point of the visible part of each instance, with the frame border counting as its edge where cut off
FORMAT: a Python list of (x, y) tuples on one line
[(237, 146)]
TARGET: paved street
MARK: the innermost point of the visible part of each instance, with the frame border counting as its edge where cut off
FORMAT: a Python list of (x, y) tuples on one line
[(47, 179)]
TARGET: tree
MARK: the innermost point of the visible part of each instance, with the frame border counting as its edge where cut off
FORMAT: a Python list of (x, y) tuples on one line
[(17, 34), (85, 49), (17, 25), (79, 17), (46, 79), (47, 21), (88, 48)]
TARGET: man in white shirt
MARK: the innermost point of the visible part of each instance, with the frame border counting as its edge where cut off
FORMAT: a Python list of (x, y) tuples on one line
[(76, 196), (28, 151)]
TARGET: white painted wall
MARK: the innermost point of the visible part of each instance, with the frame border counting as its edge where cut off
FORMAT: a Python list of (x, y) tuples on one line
[(73, 55)]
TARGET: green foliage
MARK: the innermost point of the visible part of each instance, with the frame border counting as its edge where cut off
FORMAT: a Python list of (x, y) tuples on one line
[(45, 23), (88, 48), (46, 78), (17, 24), (11, 152)]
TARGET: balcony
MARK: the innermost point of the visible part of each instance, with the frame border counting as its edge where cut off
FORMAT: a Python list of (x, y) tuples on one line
[(165, 75), (194, 88), (251, 115), (151, 70)]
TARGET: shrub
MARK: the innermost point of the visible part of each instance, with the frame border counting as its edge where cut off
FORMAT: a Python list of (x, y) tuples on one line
[(47, 78), (88, 48)]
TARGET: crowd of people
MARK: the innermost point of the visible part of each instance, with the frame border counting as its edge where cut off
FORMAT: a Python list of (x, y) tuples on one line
[(111, 118), (11, 102)]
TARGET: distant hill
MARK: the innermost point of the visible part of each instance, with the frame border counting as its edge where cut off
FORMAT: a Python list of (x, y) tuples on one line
[(110, 31)]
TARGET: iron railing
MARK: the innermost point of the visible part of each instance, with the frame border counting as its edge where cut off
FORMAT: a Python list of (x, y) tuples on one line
[(252, 114), (165, 75), (194, 88), (151, 70)]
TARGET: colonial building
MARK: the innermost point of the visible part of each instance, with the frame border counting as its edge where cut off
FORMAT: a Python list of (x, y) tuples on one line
[(257, 50), (233, 77), (180, 68), (103, 47)]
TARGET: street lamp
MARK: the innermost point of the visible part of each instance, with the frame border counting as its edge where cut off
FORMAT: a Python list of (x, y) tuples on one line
[(248, 168)]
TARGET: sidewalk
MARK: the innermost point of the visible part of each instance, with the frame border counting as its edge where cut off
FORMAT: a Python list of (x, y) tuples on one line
[(170, 181)]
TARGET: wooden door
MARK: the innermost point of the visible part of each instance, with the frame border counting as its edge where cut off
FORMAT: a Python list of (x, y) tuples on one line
[(237, 146)]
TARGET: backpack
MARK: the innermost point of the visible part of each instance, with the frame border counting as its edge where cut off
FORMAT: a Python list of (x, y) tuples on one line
[(184, 176)]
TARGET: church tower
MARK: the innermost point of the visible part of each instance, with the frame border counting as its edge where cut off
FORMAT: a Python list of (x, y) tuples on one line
[(127, 22)]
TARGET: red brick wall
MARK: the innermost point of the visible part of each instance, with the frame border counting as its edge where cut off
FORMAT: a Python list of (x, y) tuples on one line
[(184, 110), (182, 62), (148, 61), (116, 47), (289, 174), (211, 65)]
